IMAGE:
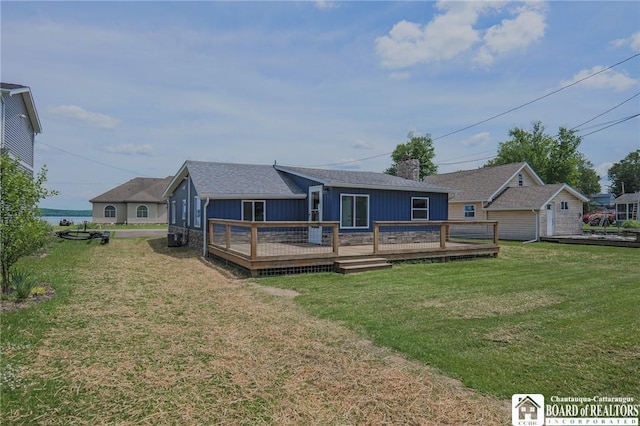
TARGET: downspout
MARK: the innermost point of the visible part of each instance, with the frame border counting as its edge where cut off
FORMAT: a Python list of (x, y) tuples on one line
[(206, 228), (535, 212)]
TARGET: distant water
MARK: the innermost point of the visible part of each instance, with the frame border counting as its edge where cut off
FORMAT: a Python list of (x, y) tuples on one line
[(77, 220)]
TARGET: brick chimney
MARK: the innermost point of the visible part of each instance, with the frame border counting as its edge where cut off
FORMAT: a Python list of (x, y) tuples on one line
[(409, 169)]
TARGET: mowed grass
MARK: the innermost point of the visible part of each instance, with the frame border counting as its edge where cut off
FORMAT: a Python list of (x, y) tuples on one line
[(541, 318), (144, 334)]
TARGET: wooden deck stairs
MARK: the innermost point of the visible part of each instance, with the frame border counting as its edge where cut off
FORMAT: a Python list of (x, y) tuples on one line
[(350, 266)]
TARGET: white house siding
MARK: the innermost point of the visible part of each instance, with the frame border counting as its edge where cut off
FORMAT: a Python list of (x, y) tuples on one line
[(527, 180), (567, 222), (514, 225), (456, 211), (18, 133)]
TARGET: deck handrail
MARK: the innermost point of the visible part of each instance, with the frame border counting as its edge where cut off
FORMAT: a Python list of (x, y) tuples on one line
[(255, 225)]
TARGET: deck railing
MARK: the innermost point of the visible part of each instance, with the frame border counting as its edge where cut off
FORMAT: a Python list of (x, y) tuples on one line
[(254, 240), (415, 236), (287, 240)]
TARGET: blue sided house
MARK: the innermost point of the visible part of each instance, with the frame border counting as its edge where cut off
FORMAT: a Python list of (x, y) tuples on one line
[(210, 203)]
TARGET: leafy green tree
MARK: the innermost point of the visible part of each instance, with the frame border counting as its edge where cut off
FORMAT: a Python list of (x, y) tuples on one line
[(21, 231), (589, 182), (555, 159), (627, 173), (419, 148), (533, 147)]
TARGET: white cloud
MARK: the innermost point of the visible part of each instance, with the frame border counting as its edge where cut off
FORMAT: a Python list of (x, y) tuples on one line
[(603, 169), (453, 32), (633, 42), (605, 80), (513, 34), (88, 118), (479, 139), (359, 144), (324, 4), (399, 76), (130, 149)]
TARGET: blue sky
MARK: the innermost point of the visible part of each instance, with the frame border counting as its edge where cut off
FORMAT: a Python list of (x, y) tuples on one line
[(126, 89)]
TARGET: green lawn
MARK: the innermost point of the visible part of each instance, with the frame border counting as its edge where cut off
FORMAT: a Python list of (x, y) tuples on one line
[(545, 318)]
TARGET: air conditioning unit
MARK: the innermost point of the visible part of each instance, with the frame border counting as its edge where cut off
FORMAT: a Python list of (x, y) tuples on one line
[(174, 239)]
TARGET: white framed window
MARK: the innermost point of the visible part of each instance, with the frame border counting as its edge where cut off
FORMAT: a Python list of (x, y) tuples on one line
[(564, 205), (184, 209), (142, 212), (254, 210), (173, 212), (197, 212), (354, 211), (520, 179), (470, 211), (419, 208), (110, 211)]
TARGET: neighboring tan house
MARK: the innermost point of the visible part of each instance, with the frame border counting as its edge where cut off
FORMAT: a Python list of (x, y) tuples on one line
[(514, 195), (138, 201), (20, 123)]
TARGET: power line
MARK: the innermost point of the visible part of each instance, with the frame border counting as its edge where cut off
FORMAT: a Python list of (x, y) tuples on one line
[(609, 110), (498, 115), (91, 159), (622, 120)]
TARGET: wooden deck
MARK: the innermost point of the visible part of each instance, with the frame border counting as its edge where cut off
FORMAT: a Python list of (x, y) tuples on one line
[(244, 246)]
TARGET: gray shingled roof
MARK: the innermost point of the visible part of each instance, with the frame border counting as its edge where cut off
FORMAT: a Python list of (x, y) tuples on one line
[(526, 197), (628, 198), (477, 184), (219, 180), (361, 179), (143, 190)]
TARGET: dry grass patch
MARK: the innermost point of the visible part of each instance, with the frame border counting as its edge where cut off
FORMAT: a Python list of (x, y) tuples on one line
[(159, 337)]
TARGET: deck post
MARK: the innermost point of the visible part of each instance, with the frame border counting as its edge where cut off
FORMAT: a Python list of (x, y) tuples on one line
[(254, 241), (228, 237), (376, 235), (495, 233), (443, 235), (336, 239), (210, 232)]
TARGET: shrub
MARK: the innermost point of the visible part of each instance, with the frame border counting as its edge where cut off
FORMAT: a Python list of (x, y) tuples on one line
[(38, 291), (635, 224), (22, 283)]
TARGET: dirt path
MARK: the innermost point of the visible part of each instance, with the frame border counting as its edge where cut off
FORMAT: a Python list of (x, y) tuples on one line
[(161, 337)]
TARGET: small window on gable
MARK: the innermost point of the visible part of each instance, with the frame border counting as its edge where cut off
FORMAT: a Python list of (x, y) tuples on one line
[(419, 208), (110, 211), (142, 212), (520, 179), (564, 205), (253, 211), (469, 211)]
